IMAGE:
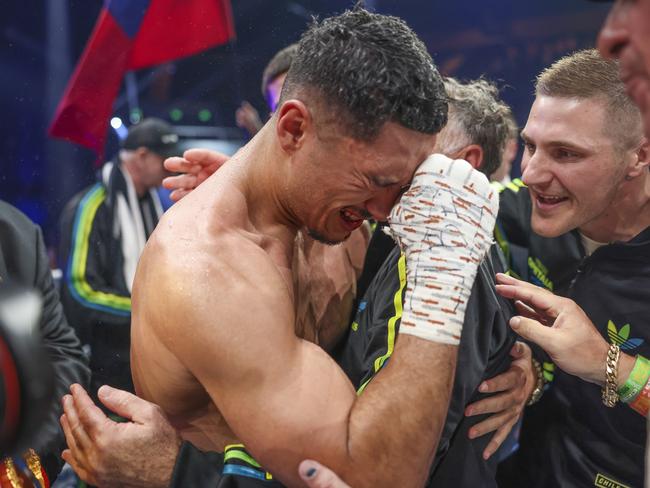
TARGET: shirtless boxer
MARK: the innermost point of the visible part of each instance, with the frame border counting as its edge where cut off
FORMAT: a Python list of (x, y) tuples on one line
[(241, 374), (213, 335)]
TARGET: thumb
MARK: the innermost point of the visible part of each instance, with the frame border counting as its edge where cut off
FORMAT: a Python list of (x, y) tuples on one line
[(534, 331), (520, 350), (123, 403), (315, 475)]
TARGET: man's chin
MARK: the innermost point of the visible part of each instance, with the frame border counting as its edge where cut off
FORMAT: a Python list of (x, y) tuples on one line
[(323, 239), (548, 228)]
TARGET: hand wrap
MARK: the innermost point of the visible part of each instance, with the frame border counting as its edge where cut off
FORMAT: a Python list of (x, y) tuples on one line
[(444, 225)]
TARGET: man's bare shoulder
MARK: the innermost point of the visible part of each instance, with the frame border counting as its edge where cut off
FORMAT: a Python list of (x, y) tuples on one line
[(190, 269)]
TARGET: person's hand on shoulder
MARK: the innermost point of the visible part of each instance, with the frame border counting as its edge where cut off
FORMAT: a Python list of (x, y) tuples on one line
[(195, 166)]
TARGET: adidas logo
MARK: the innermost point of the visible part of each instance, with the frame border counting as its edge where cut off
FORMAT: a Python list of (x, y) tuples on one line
[(622, 337)]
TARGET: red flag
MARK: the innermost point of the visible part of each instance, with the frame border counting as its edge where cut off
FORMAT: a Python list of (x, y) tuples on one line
[(133, 34)]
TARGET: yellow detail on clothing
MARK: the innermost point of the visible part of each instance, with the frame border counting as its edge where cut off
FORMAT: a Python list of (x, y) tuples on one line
[(397, 301), (539, 270), (549, 371), (81, 235), (513, 187), (499, 187), (242, 456), (605, 482), (502, 242)]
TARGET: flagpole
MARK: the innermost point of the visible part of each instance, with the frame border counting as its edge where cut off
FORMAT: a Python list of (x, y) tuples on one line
[(132, 100)]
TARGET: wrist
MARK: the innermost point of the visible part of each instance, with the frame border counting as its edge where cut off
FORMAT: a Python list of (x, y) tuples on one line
[(610, 390), (169, 464), (625, 366), (597, 372)]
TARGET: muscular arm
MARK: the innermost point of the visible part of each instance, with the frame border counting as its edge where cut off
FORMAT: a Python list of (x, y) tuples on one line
[(284, 397)]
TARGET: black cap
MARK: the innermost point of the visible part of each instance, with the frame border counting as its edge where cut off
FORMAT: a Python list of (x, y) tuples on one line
[(154, 134)]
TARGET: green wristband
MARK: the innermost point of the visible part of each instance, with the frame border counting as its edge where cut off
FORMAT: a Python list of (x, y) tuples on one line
[(636, 381)]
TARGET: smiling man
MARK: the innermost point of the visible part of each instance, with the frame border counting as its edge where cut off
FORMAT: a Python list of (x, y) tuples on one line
[(584, 163), (584, 220)]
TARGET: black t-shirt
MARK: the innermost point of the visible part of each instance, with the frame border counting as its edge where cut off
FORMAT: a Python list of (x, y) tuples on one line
[(483, 353)]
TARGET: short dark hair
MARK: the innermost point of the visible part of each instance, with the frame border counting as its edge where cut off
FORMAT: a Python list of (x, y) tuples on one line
[(372, 69), (279, 64), (477, 116)]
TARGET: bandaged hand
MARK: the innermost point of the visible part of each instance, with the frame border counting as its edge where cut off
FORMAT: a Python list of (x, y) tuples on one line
[(444, 225)]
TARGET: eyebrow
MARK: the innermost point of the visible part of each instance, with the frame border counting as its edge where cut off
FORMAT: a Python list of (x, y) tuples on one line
[(567, 144)]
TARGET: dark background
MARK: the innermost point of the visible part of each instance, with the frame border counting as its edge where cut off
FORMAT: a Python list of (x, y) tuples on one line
[(508, 41)]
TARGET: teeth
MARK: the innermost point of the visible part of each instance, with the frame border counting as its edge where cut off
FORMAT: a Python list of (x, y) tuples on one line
[(550, 198), (350, 216)]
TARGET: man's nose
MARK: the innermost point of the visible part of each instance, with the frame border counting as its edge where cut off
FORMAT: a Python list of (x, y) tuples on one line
[(535, 171), (380, 205), (613, 36)]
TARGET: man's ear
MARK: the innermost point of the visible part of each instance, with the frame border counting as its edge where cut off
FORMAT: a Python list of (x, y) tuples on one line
[(473, 154), (294, 120), (641, 161)]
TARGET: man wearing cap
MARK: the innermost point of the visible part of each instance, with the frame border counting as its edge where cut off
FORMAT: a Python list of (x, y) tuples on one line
[(103, 231)]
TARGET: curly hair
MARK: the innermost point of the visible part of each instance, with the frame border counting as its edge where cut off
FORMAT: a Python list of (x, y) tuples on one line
[(371, 69), (477, 116)]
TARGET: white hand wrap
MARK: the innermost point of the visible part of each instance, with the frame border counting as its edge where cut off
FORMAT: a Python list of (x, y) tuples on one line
[(444, 225)]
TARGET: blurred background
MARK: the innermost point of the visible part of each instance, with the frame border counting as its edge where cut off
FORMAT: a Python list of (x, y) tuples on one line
[(507, 41)]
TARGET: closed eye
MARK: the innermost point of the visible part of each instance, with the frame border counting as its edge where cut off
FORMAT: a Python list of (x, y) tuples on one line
[(382, 183)]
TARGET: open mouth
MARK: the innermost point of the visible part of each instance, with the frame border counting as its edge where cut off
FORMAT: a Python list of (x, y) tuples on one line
[(351, 220), (547, 202)]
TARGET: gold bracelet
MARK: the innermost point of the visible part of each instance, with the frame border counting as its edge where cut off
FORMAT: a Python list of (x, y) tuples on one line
[(539, 386), (610, 393)]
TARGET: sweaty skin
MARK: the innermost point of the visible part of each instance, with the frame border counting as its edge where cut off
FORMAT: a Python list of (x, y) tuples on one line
[(213, 328), (325, 283)]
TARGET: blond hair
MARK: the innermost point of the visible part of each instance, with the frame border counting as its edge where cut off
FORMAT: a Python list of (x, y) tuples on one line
[(587, 75)]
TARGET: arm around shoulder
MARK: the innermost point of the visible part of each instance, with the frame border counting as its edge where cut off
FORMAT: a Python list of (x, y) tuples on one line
[(286, 399)]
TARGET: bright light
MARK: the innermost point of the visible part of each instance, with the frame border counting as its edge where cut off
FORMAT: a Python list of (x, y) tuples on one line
[(116, 123)]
